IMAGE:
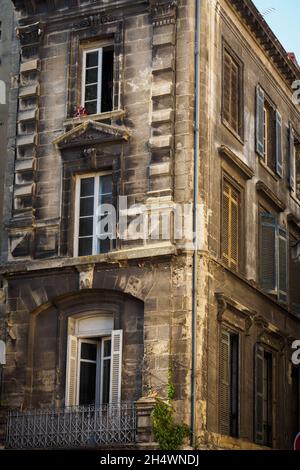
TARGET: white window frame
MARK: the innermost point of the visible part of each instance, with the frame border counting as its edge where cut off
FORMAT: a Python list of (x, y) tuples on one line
[(98, 365), (96, 177), (99, 84)]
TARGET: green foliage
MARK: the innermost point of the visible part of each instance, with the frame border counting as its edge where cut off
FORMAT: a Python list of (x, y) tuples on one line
[(167, 433)]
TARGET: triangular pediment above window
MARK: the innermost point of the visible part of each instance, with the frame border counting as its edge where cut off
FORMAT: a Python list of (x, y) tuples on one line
[(90, 133)]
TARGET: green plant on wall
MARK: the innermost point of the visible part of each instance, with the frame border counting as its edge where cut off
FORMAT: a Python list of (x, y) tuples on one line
[(168, 434)]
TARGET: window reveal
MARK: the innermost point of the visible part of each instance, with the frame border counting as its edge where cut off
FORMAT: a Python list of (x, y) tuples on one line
[(97, 80)]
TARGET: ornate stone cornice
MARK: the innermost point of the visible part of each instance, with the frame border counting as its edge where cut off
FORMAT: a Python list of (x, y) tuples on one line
[(163, 11), (90, 133), (241, 167), (225, 303), (262, 188)]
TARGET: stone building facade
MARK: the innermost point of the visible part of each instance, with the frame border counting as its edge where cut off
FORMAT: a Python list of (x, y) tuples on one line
[(105, 108)]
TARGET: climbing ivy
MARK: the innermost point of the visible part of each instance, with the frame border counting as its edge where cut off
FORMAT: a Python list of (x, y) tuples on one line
[(167, 433)]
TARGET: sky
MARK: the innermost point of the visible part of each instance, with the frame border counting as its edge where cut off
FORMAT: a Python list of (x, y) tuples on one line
[(283, 16)]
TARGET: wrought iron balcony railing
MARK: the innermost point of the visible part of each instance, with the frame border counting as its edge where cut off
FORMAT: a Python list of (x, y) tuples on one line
[(82, 426)]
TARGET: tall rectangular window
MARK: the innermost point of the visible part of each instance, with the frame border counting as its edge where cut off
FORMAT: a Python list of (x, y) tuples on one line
[(97, 80), (93, 369), (263, 399), (230, 235), (232, 92), (268, 133), (95, 219), (229, 384), (274, 257)]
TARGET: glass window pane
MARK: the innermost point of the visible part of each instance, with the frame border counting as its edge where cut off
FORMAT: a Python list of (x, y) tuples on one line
[(107, 348), (91, 92), (85, 246), (86, 206), (106, 381), (104, 245), (89, 351), (105, 199), (87, 187), (87, 388), (91, 107), (92, 59), (105, 185), (86, 226), (91, 75)]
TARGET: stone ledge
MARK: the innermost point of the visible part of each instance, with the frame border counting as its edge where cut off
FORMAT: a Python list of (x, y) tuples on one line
[(160, 142), (154, 250)]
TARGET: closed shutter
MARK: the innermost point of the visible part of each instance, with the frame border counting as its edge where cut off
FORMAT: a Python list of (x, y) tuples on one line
[(71, 372), (278, 147), (226, 86), (292, 162), (116, 366), (224, 383), (268, 244), (260, 100), (231, 79), (294, 277), (282, 265), (258, 394), (230, 225)]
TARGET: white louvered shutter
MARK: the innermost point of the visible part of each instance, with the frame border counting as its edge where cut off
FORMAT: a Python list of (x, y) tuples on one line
[(116, 366), (71, 371)]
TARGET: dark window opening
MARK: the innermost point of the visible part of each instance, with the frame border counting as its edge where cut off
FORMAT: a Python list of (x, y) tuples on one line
[(269, 136), (107, 79)]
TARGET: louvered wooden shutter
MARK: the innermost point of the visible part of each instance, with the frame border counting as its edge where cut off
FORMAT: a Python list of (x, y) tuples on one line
[(71, 372), (294, 277), (268, 253), (278, 146), (282, 265), (292, 163), (224, 383), (260, 101), (226, 86), (258, 394), (230, 225), (231, 79), (116, 366)]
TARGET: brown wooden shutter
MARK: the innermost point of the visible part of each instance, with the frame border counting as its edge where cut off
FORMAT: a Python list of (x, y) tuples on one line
[(278, 145), (224, 383), (230, 225), (231, 91), (258, 394), (260, 101), (226, 86), (282, 265), (268, 243)]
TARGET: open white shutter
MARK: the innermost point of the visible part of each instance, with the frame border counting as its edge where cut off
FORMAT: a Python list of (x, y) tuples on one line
[(116, 366), (71, 371), (2, 353)]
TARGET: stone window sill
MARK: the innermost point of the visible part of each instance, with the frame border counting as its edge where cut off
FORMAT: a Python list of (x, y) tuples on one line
[(116, 114)]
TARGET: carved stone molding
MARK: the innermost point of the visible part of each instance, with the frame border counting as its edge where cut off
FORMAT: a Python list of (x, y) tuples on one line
[(270, 335), (95, 21), (163, 12), (30, 34), (86, 276), (226, 303)]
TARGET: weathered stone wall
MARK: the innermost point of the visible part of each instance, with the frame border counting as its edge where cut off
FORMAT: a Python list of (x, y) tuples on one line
[(226, 298)]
